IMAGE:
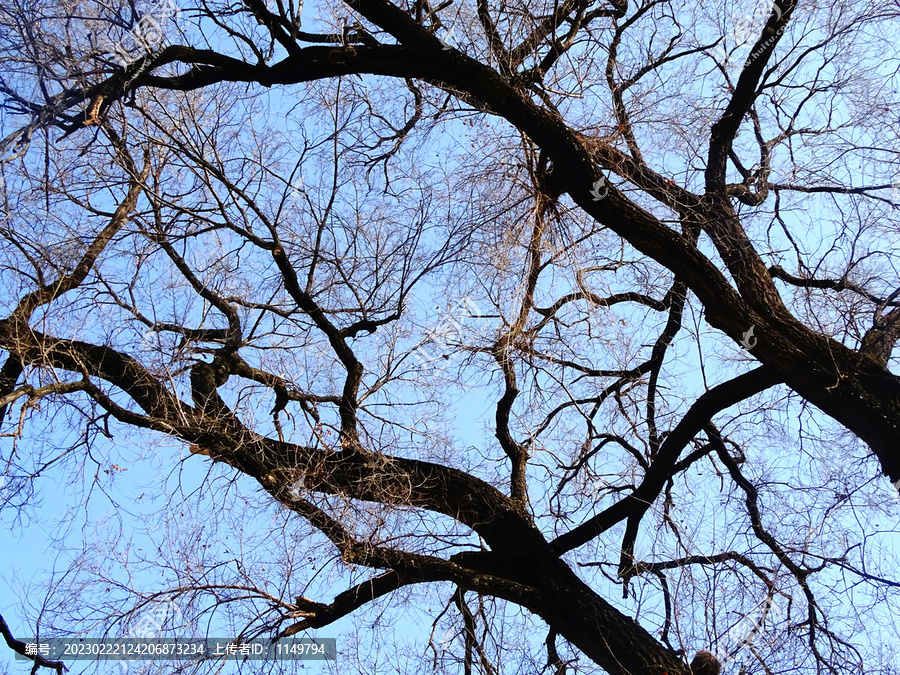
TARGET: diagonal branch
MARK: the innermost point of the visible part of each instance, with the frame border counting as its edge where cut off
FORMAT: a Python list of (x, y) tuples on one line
[(634, 506), (725, 129), (21, 648)]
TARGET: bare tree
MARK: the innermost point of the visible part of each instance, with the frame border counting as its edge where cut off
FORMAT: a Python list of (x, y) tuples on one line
[(657, 241)]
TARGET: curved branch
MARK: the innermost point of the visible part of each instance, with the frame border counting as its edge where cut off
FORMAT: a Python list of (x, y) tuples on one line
[(725, 130), (633, 506), (21, 648)]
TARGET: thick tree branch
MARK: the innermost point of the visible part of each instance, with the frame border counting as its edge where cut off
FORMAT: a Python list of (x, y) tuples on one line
[(20, 648), (725, 130), (633, 506)]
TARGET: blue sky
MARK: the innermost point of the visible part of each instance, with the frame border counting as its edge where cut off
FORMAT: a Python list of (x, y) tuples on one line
[(151, 495)]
